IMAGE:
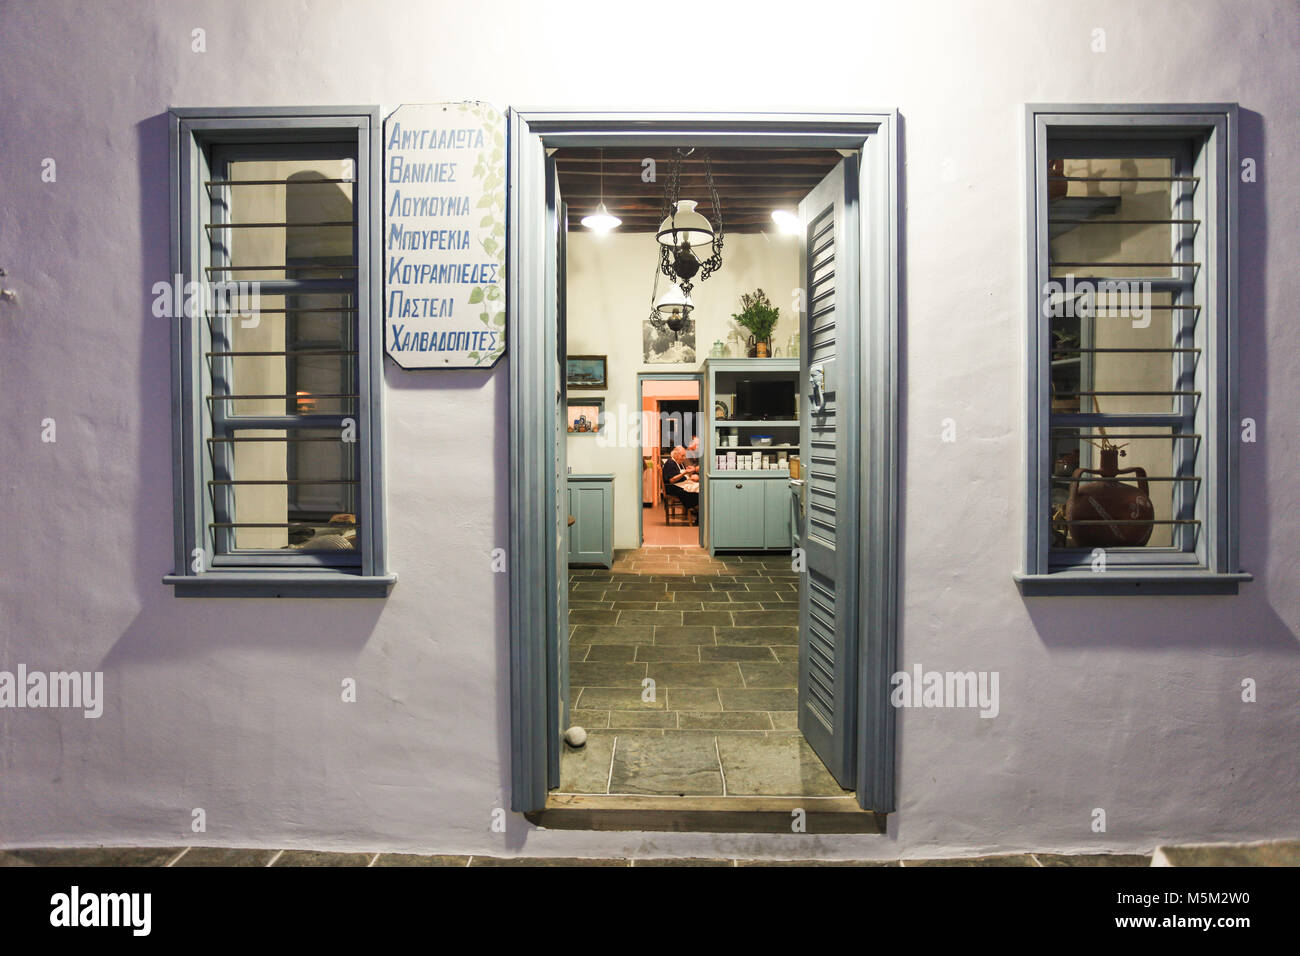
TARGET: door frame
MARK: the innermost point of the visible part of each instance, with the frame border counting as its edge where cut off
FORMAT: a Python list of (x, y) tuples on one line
[(641, 379), (533, 385)]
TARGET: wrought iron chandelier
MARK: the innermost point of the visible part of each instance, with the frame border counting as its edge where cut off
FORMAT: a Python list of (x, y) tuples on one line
[(670, 312), (683, 230)]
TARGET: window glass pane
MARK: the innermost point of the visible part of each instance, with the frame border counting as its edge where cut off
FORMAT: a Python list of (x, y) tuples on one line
[(310, 489), (317, 332), (1118, 351), (1104, 213), (1105, 509), (299, 227)]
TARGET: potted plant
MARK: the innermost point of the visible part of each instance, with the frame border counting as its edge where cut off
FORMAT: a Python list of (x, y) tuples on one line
[(759, 316)]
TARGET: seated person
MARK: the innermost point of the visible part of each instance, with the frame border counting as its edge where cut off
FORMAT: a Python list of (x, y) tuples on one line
[(675, 472)]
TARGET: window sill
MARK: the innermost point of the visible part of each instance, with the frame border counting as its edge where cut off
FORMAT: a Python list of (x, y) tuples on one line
[(1128, 582), (279, 584)]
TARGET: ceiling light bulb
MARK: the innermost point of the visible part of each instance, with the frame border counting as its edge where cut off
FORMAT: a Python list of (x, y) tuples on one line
[(786, 221), (601, 220)]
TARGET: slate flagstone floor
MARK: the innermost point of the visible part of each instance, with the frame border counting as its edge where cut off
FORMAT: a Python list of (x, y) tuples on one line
[(718, 637)]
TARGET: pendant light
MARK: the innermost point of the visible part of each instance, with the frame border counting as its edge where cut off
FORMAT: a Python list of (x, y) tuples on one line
[(602, 220), (683, 230)]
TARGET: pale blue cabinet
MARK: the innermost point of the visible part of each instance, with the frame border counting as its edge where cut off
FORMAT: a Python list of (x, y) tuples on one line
[(591, 504), (776, 513), (749, 514)]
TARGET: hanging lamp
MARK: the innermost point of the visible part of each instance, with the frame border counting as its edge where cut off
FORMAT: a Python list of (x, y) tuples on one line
[(602, 220)]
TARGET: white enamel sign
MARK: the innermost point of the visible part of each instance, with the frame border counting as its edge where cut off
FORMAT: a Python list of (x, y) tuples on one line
[(445, 235)]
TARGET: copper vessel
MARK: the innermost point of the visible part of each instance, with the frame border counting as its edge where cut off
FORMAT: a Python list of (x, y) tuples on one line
[(1126, 509)]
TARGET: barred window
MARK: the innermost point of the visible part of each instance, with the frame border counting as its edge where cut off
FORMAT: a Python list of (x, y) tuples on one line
[(278, 362), (1132, 262)]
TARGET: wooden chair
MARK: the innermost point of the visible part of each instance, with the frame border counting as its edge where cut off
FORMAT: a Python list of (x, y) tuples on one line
[(671, 502)]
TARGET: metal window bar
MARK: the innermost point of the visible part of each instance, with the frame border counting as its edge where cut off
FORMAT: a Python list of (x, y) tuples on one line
[(1123, 265), (302, 278), (282, 352), (321, 223), (282, 268), (1184, 314), (1124, 179), (274, 182), (1123, 222)]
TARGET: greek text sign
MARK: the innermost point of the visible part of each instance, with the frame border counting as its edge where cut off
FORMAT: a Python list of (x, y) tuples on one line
[(445, 235)]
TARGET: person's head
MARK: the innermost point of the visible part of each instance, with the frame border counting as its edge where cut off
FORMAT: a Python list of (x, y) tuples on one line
[(695, 443), (678, 454)]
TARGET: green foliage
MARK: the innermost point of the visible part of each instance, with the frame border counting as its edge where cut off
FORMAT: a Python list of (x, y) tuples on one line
[(757, 314)]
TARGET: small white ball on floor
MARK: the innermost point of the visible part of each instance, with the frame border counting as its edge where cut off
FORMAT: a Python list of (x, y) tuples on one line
[(575, 736)]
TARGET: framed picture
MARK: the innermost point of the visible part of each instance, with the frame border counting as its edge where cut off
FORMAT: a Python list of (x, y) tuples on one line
[(586, 416), (585, 371)]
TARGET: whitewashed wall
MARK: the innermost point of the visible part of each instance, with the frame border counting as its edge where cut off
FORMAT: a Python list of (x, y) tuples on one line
[(1131, 705)]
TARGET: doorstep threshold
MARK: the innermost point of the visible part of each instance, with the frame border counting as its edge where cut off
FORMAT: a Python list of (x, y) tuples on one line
[(703, 814)]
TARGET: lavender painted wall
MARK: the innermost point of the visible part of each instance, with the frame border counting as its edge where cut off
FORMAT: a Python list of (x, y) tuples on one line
[(1130, 705)]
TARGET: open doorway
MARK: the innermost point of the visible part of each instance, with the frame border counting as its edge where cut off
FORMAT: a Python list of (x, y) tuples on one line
[(731, 668), (670, 426)]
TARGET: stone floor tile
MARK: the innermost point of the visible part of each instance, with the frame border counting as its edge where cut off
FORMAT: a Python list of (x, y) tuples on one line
[(686, 861), (419, 859), (691, 699), (717, 674), (707, 618), (607, 652), (770, 675), (682, 653), (1006, 859), (724, 720), (554, 861), (672, 764), (90, 856), (1277, 853), (322, 858), (681, 634), (766, 618), (1092, 859), (225, 856), (738, 652), (589, 719), (606, 673), (666, 618), (585, 769), (774, 766), (614, 634), (757, 635), (817, 863), (763, 698), (616, 698), (643, 720), (579, 615)]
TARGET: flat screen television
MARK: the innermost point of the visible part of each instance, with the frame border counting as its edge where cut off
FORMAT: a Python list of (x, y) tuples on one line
[(764, 400)]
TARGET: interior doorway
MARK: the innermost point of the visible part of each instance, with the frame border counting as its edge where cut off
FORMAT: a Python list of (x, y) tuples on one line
[(839, 697), (670, 418)]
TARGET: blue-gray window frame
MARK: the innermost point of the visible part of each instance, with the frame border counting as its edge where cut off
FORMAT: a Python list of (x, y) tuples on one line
[(1212, 568), (194, 132)]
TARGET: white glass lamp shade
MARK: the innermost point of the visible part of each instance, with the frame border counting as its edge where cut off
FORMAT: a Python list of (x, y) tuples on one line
[(602, 220), (687, 225), (673, 303)]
